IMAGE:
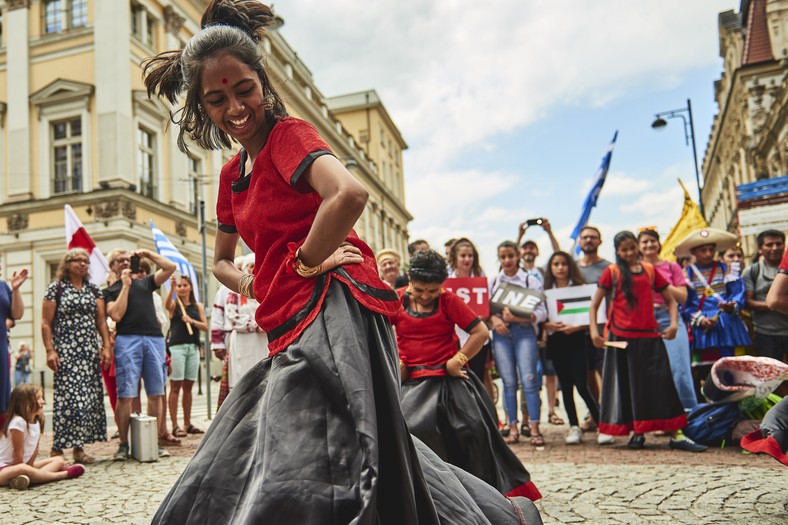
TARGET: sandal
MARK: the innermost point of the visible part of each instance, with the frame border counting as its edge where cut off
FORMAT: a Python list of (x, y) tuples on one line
[(191, 429), (525, 430), (81, 457), (554, 419), (537, 440), (589, 425), (178, 432), (514, 436), (169, 439)]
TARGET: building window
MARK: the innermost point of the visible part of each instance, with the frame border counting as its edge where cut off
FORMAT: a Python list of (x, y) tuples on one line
[(193, 182), (142, 25), (146, 161), (60, 15), (382, 138), (67, 156)]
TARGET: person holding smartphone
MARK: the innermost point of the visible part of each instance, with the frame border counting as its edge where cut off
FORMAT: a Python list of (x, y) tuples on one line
[(139, 342)]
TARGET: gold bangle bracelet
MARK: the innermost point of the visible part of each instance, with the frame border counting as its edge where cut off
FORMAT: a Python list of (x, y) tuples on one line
[(245, 285), (302, 269), (462, 358)]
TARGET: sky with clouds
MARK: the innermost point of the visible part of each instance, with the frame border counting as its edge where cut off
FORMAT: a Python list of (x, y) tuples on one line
[(508, 106)]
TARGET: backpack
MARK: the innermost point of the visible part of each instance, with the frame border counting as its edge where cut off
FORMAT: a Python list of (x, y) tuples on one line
[(712, 423)]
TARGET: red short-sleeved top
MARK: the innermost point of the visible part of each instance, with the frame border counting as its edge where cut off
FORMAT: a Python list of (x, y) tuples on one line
[(428, 340), (272, 209), (784, 263), (638, 321)]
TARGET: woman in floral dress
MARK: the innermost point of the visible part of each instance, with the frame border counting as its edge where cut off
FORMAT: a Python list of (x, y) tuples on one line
[(73, 323)]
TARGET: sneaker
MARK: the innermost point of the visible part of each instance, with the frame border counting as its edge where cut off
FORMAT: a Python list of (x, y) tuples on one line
[(687, 445), (637, 442), (605, 439), (163, 452), (75, 471), (20, 482), (574, 436), (123, 452)]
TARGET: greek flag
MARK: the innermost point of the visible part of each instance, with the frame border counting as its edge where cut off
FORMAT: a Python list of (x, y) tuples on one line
[(168, 250), (593, 194)]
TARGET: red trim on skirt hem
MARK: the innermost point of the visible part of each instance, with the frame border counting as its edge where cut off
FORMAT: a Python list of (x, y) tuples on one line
[(642, 427), (528, 490), (755, 442)]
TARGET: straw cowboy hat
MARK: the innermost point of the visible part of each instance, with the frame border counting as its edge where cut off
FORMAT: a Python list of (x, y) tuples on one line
[(387, 253), (722, 239)]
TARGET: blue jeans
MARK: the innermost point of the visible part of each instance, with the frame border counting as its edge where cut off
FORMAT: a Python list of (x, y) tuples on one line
[(21, 377), (679, 357), (515, 352)]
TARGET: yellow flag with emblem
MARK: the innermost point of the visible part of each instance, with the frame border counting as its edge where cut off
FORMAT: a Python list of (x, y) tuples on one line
[(691, 220)]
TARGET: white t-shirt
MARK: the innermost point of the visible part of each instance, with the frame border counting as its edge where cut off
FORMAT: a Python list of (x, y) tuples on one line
[(31, 432)]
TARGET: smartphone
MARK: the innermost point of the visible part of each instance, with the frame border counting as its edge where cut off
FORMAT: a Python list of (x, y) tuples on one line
[(534, 222), (135, 264)]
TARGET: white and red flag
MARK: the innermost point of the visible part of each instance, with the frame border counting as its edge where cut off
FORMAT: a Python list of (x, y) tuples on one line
[(77, 237)]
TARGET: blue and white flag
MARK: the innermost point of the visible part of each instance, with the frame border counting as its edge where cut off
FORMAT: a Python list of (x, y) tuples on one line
[(593, 194), (168, 250)]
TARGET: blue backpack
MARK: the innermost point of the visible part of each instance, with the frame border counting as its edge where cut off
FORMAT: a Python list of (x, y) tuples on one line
[(712, 423)]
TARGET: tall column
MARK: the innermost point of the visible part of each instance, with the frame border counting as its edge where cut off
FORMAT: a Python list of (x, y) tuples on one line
[(18, 78), (178, 168), (112, 27)]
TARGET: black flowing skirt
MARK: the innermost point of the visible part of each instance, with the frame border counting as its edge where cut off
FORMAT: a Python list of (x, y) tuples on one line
[(315, 435), (638, 392), (455, 418)]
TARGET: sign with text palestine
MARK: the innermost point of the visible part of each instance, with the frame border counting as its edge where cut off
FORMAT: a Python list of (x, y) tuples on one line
[(472, 290)]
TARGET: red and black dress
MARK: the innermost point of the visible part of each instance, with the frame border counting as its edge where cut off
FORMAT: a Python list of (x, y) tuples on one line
[(638, 392), (314, 433), (453, 416)]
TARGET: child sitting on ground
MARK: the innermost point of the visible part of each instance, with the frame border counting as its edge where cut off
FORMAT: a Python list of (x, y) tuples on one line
[(19, 443)]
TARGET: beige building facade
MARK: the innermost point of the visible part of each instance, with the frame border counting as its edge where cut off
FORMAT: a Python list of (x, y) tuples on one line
[(76, 127), (749, 137)]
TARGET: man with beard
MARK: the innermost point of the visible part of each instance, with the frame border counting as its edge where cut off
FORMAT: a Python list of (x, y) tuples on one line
[(771, 328), (591, 266)]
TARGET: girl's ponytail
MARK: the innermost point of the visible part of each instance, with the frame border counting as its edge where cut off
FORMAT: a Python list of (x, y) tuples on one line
[(164, 75)]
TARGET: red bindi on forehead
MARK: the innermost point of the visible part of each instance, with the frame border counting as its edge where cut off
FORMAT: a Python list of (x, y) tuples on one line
[(224, 81)]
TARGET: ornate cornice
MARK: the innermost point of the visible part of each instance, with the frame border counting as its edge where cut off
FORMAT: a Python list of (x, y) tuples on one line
[(173, 22), (18, 4)]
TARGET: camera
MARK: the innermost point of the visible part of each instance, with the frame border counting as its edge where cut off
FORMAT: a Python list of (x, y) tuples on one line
[(135, 263), (534, 222)]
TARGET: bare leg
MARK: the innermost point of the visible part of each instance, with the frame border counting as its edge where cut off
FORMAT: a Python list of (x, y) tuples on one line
[(123, 414), (162, 421), (36, 475), (52, 464), (154, 406), (175, 390), (551, 385), (187, 403), (593, 384)]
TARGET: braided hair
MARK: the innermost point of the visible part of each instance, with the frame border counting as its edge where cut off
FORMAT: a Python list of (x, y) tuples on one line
[(229, 26), (623, 267)]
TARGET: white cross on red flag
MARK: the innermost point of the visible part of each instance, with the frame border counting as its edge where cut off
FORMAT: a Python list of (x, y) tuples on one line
[(77, 237)]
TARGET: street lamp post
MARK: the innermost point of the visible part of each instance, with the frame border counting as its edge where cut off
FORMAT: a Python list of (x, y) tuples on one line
[(689, 137)]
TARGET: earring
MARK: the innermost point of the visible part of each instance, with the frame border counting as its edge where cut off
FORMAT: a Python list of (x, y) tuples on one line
[(268, 104)]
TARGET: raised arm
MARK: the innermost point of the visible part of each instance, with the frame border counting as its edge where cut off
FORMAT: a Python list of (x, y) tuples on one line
[(166, 266)]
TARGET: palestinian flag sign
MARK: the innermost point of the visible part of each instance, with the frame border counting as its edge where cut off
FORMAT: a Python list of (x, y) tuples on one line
[(571, 305)]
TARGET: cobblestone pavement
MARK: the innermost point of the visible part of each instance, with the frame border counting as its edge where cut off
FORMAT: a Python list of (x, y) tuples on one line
[(580, 484)]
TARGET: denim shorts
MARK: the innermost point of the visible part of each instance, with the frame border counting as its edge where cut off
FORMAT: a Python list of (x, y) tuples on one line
[(140, 356)]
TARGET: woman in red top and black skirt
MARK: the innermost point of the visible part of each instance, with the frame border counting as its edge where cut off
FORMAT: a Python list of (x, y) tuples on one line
[(638, 392), (444, 405), (314, 433)]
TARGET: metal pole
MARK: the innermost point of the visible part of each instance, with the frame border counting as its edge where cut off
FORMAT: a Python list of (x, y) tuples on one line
[(207, 341), (695, 157)]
